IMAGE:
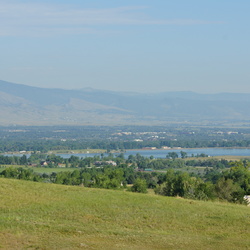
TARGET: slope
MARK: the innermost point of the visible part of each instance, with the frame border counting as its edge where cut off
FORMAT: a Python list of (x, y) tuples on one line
[(46, 216)]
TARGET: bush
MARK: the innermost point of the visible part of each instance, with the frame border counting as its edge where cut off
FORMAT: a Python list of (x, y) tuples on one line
[(140, 186)]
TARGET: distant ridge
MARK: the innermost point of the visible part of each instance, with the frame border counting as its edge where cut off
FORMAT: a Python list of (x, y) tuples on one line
[(26, 105)]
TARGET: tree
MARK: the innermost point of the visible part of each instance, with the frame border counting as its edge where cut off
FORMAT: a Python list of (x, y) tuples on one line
[(172, 155), (183, 154), (23, 160), (182, 184), (140, 186), (229, 191), (240, 174)]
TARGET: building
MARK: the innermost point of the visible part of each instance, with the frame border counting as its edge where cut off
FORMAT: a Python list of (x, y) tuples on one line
[(247, 198), (99, 163)]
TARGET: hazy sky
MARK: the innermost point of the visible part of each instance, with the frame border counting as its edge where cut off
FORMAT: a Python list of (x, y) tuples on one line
[(132, 45)]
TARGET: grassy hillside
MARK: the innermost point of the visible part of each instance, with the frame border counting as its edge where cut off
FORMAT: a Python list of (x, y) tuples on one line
[(47, 216)]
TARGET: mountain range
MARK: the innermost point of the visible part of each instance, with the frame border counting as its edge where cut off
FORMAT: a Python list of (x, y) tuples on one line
[(26, 105)]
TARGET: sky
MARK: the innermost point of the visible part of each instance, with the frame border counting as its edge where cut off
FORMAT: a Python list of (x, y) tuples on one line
[(133, 45)]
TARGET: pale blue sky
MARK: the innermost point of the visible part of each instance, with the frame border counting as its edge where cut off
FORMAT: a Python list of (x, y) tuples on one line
[(133, 45)]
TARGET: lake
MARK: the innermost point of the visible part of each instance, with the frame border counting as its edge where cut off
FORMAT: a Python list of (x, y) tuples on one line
[(162, 153)]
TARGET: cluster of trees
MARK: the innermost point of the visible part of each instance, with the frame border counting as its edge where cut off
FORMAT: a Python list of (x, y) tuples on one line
[(230, 185), (161, 164), (21, 173), (137, 160), (184, 185), (183, 155), (45, 146), (222, 179), (13, 160), (108, 177)]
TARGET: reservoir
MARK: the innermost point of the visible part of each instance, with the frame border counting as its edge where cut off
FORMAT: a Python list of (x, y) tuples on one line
[(162, 153)]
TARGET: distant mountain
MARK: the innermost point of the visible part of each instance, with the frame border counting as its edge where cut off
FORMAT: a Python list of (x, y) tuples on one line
[(25, 105)]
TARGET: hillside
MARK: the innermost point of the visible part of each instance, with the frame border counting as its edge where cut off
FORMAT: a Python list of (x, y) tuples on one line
[(46, 216), (25, 105)]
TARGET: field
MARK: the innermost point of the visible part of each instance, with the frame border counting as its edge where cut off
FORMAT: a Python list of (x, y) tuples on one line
[(232, 157), (40, 170), (47, 216), (221, 157)]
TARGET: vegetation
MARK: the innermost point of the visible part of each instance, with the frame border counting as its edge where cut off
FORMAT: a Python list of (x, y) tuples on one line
[(79, 212), (104, 138), (139, 186), (221, 179), (47, 216)]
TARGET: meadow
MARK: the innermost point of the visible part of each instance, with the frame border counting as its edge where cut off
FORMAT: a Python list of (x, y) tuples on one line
[(39, 170), (48, 216)]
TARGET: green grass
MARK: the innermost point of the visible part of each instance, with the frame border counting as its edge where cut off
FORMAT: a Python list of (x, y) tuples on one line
[(11, 166), (48, 216), (40, 170)]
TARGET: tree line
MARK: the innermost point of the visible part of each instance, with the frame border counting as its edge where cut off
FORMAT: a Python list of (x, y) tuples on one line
[(171, 161), (44, 146), (224, 180)]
